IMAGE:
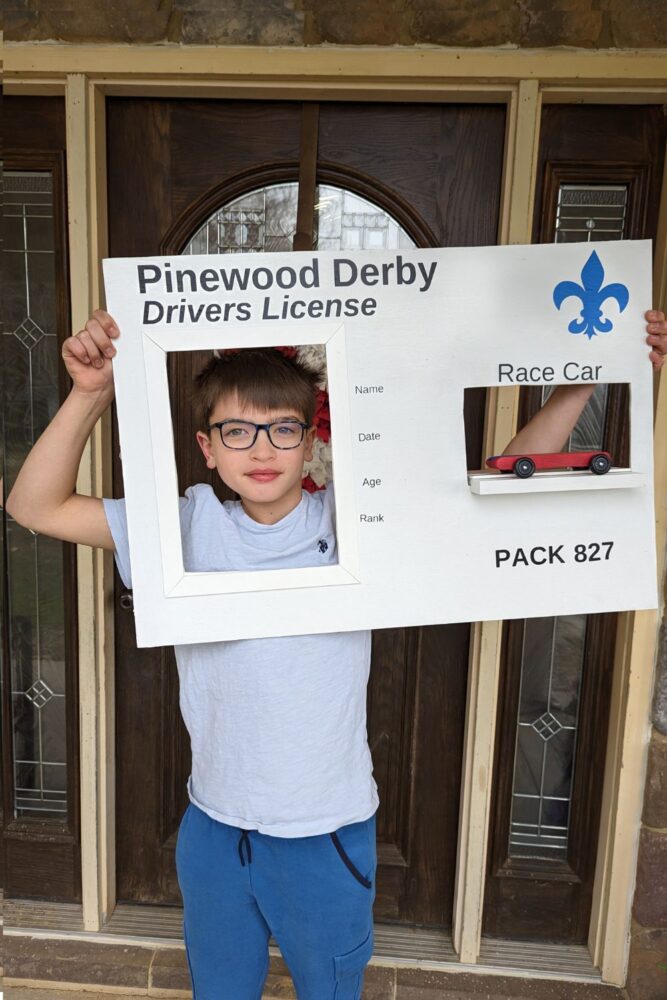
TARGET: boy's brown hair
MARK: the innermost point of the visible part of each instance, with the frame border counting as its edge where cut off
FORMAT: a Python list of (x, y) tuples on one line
[(261, 377)]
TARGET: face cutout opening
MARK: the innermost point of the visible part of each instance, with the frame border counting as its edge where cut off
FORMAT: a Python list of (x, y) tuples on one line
[(254, 424)]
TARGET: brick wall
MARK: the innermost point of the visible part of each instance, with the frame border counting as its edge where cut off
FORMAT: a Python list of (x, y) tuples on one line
[(527, 23)]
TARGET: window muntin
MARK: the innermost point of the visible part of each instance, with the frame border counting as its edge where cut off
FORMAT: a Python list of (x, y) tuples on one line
[(590, 212)]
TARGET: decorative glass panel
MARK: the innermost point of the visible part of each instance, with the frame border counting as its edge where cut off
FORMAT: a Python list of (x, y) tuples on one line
[(546, 734), (265, 220), (33, 575), (345, 221), (553, 648), (586, 212)]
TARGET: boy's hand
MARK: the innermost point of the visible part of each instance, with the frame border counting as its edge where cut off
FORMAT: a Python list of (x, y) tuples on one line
[(657, 337), (87, 355)]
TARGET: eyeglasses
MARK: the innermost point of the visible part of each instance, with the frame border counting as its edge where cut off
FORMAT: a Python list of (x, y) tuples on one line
[(241, 434)]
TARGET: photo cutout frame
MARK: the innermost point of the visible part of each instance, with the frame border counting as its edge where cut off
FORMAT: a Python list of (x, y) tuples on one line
[(421, 539)]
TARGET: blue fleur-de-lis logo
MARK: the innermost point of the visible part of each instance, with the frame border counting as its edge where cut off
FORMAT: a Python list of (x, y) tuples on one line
[(323, 545), (592, 295)]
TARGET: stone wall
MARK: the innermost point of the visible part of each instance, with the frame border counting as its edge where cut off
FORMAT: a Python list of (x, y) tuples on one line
[(524, 23), (647, 979)]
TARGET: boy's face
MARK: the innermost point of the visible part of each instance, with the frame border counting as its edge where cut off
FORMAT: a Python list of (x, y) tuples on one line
[(267, 479)]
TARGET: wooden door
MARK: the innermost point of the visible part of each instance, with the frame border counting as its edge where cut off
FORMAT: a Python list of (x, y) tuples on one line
[(599, 177), (437, 170)]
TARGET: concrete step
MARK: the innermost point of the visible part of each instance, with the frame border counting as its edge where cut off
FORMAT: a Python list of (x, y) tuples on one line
[(39, 993)]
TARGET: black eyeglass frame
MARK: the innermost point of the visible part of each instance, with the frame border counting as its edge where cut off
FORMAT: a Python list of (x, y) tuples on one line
[(261, 427)]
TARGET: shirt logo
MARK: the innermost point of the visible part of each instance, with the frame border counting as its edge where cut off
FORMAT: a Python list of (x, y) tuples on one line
[(323, 545)]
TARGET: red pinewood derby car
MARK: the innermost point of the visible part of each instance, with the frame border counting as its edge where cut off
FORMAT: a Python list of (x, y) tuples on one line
[(524, 466)]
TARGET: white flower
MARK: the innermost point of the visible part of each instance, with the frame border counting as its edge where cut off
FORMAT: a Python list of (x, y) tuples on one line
[(320, 469), (314, 356)]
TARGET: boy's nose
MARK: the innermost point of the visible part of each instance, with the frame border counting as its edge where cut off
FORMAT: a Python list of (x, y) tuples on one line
[(262, 445)]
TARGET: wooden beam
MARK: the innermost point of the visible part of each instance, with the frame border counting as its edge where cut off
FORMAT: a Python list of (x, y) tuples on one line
[(305, 219), (86, 193), (571, 67)]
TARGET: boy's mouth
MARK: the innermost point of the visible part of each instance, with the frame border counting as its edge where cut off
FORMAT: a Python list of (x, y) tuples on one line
[(263, 475)]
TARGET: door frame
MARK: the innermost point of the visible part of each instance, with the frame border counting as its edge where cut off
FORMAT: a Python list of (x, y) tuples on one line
[(522, 80)]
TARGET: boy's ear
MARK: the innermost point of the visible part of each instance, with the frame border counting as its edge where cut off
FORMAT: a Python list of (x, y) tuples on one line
[(309, 440), (204, 443)]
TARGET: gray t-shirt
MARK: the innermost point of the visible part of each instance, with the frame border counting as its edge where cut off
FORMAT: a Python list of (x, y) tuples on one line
[(277, 726)]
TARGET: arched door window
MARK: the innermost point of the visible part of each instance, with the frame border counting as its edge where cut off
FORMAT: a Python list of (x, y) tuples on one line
[(265, 220)]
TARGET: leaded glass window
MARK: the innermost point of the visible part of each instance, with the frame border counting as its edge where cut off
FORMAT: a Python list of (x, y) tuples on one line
[(345, 221), (552, 652), (257, 222), (552, 657), (265, 220), (586, 212), (33, 575)]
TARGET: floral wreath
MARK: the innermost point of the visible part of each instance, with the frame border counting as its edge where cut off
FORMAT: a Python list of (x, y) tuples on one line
[(319, 471)]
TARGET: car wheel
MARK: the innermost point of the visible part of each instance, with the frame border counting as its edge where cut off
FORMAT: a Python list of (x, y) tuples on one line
[(524, 468), (599, 464)]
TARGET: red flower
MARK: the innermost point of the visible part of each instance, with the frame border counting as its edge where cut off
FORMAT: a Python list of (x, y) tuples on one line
[(322, 418), (310, 486)]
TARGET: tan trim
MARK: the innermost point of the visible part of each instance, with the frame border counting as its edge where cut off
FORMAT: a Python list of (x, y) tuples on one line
[(36, 87), (105, 578), (274, 89), (399, 90), (402, 89), (330, 65), (520, 181), (486, 639), (516, 223), (509, 159), (95, 622), (604, 95), (77, 186), (629, 729), (517, 205)]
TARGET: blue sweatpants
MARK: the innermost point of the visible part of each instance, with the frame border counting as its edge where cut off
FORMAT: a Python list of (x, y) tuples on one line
[(313, 894)]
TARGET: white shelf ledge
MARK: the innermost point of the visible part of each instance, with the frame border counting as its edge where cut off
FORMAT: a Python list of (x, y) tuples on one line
[(561, 481)]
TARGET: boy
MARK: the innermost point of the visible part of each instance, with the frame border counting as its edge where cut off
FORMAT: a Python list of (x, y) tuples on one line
[(279, 836)]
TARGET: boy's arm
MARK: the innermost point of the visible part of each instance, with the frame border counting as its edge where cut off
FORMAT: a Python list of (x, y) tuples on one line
[(43, 497), (551, 426)]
